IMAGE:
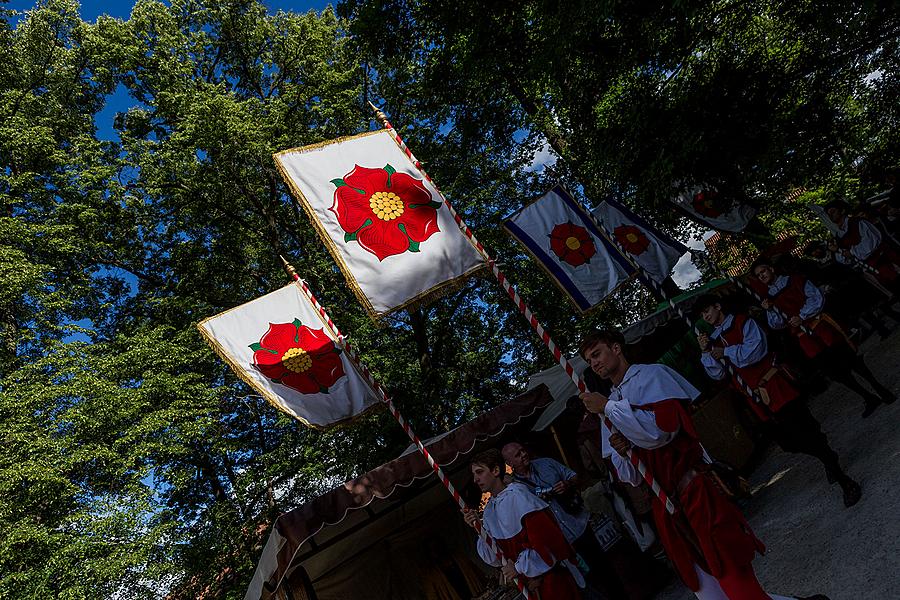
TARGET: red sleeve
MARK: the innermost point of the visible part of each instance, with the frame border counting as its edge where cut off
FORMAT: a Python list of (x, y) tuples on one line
[(545, 537), (671, 416), (758, 286)]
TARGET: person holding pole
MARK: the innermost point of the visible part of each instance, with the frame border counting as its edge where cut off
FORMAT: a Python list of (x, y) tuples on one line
[(859, 239), (778, 402), (796, 303), (707, 538), (557, 484), (524, 528)]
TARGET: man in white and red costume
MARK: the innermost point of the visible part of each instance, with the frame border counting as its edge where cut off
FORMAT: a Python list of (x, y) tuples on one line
[(525, 530), (779, 403), (557, 484), (707, 539), (793, 296), (862, 239)]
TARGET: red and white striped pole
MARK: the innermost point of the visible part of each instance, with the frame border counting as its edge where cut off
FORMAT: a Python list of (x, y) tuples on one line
[(521, 306), (395, 412), (649, 281), (703, 258)]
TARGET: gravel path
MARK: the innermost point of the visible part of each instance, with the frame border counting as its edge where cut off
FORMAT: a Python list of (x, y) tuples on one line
[(815, 545)]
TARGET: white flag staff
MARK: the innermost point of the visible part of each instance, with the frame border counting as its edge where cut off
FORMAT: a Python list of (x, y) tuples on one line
[(395, 412), (522, 307)]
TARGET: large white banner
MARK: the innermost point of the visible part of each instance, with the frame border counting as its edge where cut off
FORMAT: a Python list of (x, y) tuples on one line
[(563, 238), (653, 250), (386, 226), (706, 205), (282, 348)]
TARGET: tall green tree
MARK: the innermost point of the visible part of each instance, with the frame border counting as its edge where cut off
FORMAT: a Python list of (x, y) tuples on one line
[(751, 96), (133, 463)]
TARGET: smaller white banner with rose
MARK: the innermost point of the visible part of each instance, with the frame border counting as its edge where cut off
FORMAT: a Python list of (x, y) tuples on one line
[(280, 346)]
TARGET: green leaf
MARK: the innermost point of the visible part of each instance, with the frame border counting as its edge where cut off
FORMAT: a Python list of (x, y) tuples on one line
[(390, 171), (413, 245), (339, 182), (255, 346), (351, 236)]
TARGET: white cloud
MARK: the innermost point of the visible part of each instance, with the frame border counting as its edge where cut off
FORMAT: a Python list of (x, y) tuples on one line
[(686, 272), (873, 76), (543, 157)]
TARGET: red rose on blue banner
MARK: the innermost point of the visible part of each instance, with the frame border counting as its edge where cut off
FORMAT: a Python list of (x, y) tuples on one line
[(572, 244), (298, 357), (386, 212), (709, 204), (632, 239)]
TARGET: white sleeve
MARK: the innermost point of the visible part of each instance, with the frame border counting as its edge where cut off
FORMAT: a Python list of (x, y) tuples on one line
[(776, 321), (530, 564), (626, 471), (870, 238), (751, 350), (486, 554), (712, 366), (814, 301), (639, 426)]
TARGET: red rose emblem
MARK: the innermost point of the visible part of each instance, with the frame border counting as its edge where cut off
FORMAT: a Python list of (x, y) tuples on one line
[(632, 239), (709, 204), (387, 212), (572, 244), (301, 358)]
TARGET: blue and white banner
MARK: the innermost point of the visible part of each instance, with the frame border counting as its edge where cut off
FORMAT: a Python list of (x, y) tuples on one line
[(559, 233), (705, 205), (653, 250)]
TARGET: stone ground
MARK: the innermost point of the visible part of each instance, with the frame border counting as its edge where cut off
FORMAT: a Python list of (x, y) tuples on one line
[(815, 545)]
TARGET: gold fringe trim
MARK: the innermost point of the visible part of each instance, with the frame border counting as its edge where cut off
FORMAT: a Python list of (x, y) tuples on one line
[(422, 298), (317, 145), (271, 398)]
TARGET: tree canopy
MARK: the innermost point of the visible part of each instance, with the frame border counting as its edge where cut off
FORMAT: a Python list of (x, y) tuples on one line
[(134, 464)]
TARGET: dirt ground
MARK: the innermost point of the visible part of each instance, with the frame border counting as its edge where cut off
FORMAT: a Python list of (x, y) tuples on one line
[(815, 545)]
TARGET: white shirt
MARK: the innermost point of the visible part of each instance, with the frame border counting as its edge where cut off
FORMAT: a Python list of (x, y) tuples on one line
[(642, 385), (752, 350), (544, 472), (869, 239), (502, 520), (813, 305)]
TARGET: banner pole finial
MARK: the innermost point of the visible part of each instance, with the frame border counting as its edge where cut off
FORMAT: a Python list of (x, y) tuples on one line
[(379, 115), (289, 269)]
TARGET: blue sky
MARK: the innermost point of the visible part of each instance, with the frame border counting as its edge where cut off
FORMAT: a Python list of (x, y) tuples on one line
[(91, 9), (120, 101)]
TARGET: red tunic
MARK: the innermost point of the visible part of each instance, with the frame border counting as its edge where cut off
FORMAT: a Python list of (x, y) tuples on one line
[(706, 529), (764, 374), (884, 258), (541, 533), (790, 300)]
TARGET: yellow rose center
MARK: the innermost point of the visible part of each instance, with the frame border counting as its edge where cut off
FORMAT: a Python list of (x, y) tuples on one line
[(632, 238), (386, 205), (572, 243), (296, 360)]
